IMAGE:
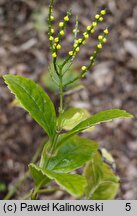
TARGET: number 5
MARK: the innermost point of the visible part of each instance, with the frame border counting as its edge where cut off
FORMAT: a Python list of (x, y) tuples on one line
[(128, 207)]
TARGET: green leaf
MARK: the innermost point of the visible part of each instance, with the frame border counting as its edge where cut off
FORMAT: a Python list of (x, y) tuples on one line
[(40, 179), (102, 183), (71, 155), (34, 100), (72, 183), (107, 156), (68, 76), (72, 117), (98, 118)]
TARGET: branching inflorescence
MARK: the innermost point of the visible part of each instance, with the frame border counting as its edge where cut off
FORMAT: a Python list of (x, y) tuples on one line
[(55, 45)]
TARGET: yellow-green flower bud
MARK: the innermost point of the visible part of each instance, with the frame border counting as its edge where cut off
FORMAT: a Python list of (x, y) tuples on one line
[(62, 33), (58, 46), (100, 37), (66, 18), (103, 12), (56, 39), (104, 40), (84, 68), (84, 42), (86, 36), (75, 45), (93, 30), (77, 49), (51, 18), (71, 53), (88, 28), (54, 46), (99, 46), (54, 55), (97, 16), (79, 40), (101, 19), (91, 58), (94, 24), (61, 24), (52, 31), (51, 38), (106, 31)]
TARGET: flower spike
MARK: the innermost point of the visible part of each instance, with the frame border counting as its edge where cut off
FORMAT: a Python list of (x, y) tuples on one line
[(101, 40)]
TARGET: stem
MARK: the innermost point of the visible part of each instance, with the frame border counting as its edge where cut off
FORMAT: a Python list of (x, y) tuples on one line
[(61, 96), (49, 20), (58, 71), (26, 175), (40, 191), (51, 151), (55, 66), (50, 190), (61, 93), (34, 195), (76, 30), (34, 192), (72, 81)]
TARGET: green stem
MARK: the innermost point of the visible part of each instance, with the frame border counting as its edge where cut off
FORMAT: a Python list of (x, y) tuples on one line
[(49, 20), (34, 192), (61, 97), (61, 93), (58, 71), (34, 195), (72, 81), (45, 190), (54, 141), (50, 190), (51, 151), (55, 66)]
